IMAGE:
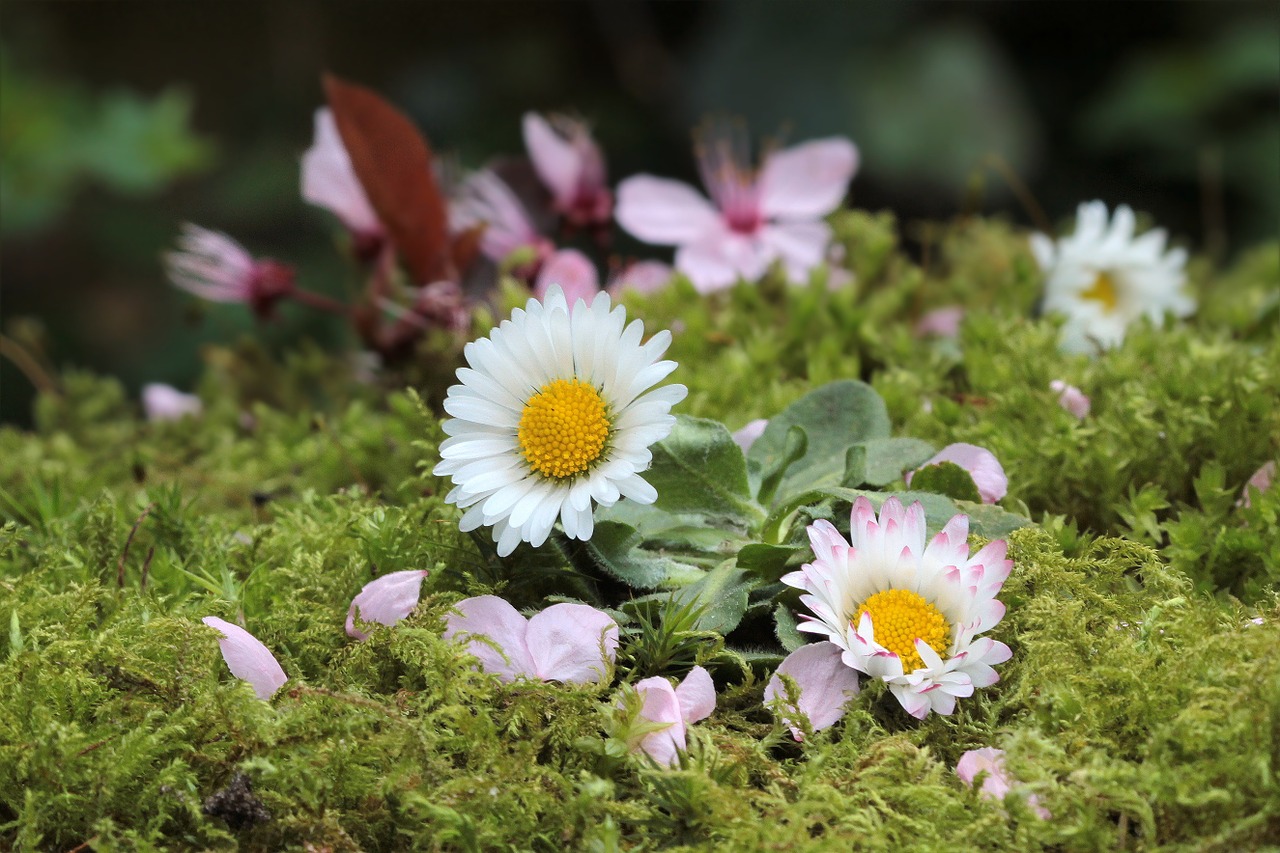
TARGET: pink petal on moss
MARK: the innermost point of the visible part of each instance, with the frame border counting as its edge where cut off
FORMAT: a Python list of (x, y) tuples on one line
[(826, 684), (1071, 398), (663, 211), (575, 274), (165, 403), (248, 658), (988, 475), (940, 322), (386, 600), (554, 158), (809, 180), (1261, 480), (573, 643), (696, 695), (490, 617), (661, 706)]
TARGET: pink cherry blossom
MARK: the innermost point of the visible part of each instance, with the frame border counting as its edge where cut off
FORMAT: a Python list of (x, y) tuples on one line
[(573, 643), (675, 709), (1071, 398), (940, 322), (329, 181), (747, 436), (212, 266), (386, 600), (570, 164), (996, 782), (1261, 480), (826, 685), (641, 277), (166, 403), (982, 465), (485, 199), (248, 658), (573, 271), (754, 218)]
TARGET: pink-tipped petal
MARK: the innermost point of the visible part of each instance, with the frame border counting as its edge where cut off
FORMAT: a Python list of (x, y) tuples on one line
[(826, 684), (575, 274), (494, 619), (386, 600), (747, 436), (663, 211), (696, 695), (809, 180), (660, 705), (573, 643), (554, 158), (165, 403), (248, 658)]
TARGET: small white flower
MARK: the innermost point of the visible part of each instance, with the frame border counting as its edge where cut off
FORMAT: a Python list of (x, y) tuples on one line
[(554, 413), (1102, 278), (905, 613)]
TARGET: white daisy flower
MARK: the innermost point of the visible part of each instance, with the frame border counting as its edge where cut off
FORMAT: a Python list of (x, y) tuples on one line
[(905, 613), (553, 414), (1102, 277)]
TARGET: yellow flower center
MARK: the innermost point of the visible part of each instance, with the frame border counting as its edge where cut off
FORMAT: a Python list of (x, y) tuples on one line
[(563, 428), (1103, 290), (899, 618)]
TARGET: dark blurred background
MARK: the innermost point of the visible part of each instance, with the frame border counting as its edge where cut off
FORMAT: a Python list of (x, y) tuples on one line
[(119, 121)]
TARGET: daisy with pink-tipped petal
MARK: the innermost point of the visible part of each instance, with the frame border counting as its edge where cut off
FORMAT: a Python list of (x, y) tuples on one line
[(248, 658), (570, 165), (1071, 398), (165, 403), (573, 271), (825, 682), (484, 199), (905, 612), (674, 709), (754, 218), (386, 600), (982, 465), (212, 266), (329, 181), (572, 643), (996, 782)]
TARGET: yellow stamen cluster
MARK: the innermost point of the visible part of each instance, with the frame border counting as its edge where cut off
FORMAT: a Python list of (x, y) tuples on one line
[(563, 428), (1103, 290), (899, 617)]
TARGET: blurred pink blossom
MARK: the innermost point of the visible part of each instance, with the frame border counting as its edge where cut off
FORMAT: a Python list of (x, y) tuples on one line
[(166, 403), (573, 271), (212, 266), (641, 277), (754, 217), (570, 164), (329, 181), (1071, 398), (982, 465), (747, 436), (940, 322), (675, 709), (485, 199), (248, 658), (1261, 480), (826, 685), (996, 783), (385, 600), (573, 643)]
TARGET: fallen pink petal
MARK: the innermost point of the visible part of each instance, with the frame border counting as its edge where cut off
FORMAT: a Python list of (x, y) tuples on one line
[(940, 323), (1260, 481), (988, 475), (996, 782), (165, 403), (248, 658), (1071, 398), (825, 682), (675, 709), (386, 600)]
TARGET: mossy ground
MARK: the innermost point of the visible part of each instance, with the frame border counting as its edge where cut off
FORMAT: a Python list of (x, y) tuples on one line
[(1141, 705)]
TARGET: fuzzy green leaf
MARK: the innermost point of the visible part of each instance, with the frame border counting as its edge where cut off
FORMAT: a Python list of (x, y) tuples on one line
[(614, 547), (699, 469), (784, 627), (768, 562), (947, 478), (723, 593), (887, 458)]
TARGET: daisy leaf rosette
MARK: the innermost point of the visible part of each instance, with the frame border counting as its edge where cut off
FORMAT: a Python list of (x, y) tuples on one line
[(905, 612), (554, 414)]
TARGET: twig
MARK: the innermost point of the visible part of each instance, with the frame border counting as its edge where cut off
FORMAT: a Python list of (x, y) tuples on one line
[(1020, 190), (124, 554), (27, 363)]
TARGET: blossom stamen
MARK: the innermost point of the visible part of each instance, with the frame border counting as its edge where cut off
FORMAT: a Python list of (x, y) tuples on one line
[(899, 618), (1103, 290), (563, 428)]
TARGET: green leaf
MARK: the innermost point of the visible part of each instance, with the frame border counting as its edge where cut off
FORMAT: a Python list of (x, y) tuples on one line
[(784, 626), (938, 509), (833, 417), (682, 532), (947, 478), (723, 593), (614, 548), (795, 446), (768, 562), (888, 458), (991, 521), (855, 466), (700, 469)]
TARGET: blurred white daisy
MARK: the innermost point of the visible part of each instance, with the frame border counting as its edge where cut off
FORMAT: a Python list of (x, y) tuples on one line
[(554, 413), (1102, 278), (905, 613)]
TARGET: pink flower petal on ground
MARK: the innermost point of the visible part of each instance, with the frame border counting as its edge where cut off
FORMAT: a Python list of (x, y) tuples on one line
[(492, 618), (982, 465), (747, 436), (940, 322), (386, 600), (996, 783), (696, 695), (248, 658), (575, 274), (641, 277), (165, 403), (1261, 480), (663, 211), (573, 643), (662, 706), (554, 158), (329, 180), (1071, 398), (809, 180), (826, 685)]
